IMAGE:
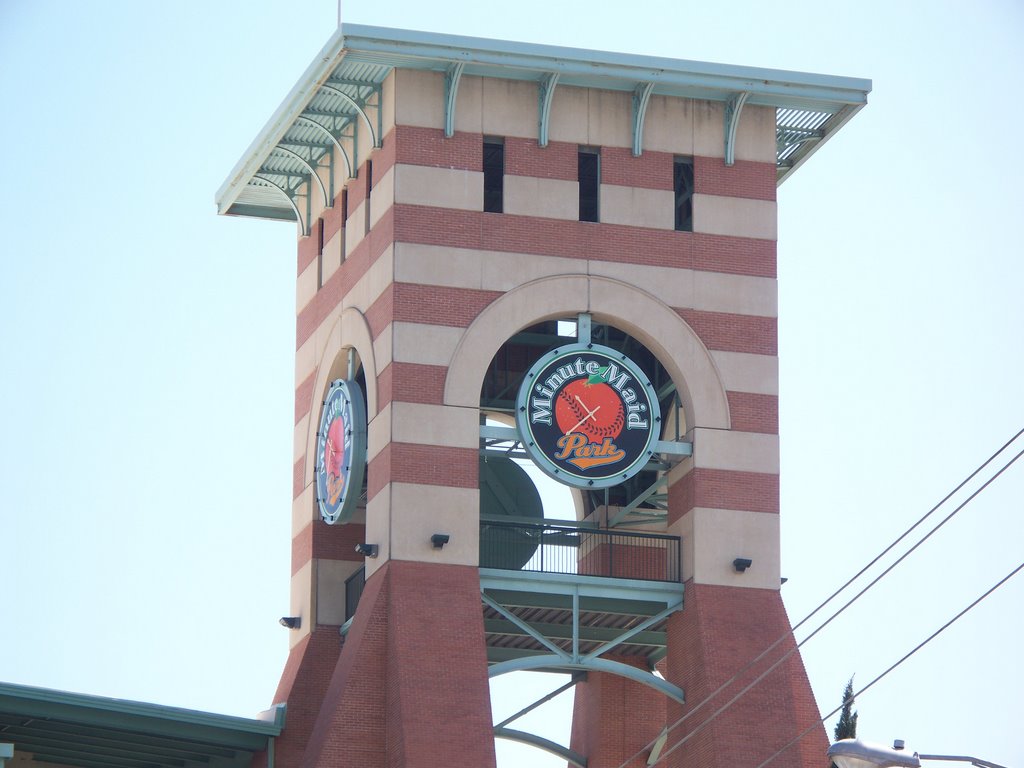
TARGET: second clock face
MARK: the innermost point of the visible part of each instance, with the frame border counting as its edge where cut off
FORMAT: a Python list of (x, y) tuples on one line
[(340, 452), (588, 416)]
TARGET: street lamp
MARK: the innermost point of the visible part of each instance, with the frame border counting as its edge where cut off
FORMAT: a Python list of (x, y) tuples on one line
[(854, 753)]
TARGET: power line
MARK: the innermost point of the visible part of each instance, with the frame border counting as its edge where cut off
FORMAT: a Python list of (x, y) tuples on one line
[(834, 616), (906, 656), (831, 597)]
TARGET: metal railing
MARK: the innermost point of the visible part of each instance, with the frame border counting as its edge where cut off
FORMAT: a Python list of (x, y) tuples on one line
[(552, 548), (549, 548)]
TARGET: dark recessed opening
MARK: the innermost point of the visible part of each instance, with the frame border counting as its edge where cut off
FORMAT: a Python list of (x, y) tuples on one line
[(494, 175), (682, 182), (589, 174)]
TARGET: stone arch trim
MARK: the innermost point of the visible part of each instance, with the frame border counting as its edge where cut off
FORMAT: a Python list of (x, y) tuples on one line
[(649, 320), (349, 330)]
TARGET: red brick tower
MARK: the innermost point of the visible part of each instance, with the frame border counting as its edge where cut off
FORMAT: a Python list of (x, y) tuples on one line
[(474, 215)]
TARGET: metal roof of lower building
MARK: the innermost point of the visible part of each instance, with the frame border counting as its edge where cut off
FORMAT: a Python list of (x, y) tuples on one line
[(75, 729), (340, 91)]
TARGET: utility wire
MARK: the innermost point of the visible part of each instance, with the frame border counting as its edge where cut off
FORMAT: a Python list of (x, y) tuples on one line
[(918, 647), (831, 597), (831, 618)]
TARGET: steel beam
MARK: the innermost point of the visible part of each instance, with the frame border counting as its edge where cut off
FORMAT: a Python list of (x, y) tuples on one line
[(587, 634), (546, 661), (525, 627), (640, 499), (633, 632), (543, 700), (569, 755), (658, 746), (307, 144)]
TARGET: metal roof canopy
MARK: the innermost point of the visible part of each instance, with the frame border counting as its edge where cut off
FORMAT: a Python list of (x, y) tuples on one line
[(341, 90), (98, 732)]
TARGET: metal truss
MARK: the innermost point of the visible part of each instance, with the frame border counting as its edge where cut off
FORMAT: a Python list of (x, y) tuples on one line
[(587, 596)]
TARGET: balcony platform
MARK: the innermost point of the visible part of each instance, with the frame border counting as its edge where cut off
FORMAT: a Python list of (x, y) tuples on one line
[(569, 623)]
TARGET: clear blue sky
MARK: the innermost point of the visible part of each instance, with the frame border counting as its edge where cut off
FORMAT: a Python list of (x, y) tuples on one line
[(146, 390)]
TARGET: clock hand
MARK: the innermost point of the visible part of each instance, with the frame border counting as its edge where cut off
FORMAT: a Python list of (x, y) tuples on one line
[(589, 415)]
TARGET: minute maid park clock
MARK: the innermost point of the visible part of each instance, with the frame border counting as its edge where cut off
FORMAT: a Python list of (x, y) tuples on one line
[(588, 416), (340, 451)]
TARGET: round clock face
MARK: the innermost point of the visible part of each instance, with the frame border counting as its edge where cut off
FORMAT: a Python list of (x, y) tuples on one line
[(340, 451), (588, 416)]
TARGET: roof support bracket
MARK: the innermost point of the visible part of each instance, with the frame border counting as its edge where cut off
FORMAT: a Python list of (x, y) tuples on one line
[(733, 107), (312, 172), (641, 97), (291, 201), (309, 203), (330, 179), (354, 138), (452, 78), (379, 92), (334, 139), (545, 94), (374, 135)]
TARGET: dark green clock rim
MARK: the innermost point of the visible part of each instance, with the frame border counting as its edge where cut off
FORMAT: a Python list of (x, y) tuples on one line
[(537, 455), (355, 413)]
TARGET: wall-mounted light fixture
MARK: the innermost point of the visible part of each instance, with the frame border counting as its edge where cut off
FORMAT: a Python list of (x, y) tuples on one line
[(367, 550), (439, 540), (292, 622), (742, 563)]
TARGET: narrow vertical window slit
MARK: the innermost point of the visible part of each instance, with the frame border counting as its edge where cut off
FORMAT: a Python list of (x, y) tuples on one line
[(589, 175), (494, 175), (682, 182)]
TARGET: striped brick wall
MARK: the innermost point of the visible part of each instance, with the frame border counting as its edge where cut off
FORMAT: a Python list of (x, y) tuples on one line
[(431, 263), (445, 265)]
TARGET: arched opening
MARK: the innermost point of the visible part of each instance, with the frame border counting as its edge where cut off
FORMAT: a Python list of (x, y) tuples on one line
[(512, 487), (502, 382)]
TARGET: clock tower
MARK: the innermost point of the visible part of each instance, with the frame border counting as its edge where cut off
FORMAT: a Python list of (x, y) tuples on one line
[(515, 255)]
